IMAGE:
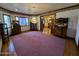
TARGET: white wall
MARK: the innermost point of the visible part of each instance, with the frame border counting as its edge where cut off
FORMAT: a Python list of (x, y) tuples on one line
[(77, 32), (25, 28), (72, 24), (38, 18)]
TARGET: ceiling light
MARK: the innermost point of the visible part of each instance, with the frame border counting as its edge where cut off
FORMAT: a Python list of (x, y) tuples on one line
[(16, 9), (33, 6)]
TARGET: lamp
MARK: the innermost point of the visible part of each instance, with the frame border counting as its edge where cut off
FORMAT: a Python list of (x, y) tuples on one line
[(33, 20)]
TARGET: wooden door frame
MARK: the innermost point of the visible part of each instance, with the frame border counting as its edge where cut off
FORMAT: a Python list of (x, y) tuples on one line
[(52, 30), (41, 28)]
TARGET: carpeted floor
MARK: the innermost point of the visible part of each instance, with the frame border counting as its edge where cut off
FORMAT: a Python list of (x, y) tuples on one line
[(38, 44)]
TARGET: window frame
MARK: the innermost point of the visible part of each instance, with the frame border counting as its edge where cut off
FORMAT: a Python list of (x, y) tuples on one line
[(22, 17), (4, 20)]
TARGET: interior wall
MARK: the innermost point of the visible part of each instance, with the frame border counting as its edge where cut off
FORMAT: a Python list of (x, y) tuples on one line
[(1, 15), (77, 31), (23, 28), (38, 18), (72, 23), (1, 18)]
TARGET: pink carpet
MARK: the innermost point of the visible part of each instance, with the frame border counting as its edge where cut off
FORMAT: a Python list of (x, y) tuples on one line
[(38, 44)]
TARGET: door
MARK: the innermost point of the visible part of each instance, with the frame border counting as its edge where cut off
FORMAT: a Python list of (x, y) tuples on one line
[(7, 20)]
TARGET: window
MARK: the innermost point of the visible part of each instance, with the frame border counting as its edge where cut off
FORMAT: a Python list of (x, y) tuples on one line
[(7, 20), (17, 18), (27, 22), (22, 21)]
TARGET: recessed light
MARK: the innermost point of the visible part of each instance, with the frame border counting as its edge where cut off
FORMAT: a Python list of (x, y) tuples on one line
[(16, 9), (34, 7)]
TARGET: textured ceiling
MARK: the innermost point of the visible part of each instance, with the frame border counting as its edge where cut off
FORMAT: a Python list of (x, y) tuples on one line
[(34, 8)]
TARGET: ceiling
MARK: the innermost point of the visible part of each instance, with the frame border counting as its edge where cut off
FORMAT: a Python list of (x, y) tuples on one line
[(34, 8)]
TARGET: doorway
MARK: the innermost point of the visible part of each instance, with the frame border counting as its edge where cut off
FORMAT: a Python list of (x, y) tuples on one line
[(47, 24)]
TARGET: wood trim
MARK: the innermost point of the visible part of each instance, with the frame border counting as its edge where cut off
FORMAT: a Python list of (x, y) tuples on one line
[(9, 11), (68, 8), (70, 38), (45, 13), (22, 17), (60, 10), (78, 49), (74, 41)]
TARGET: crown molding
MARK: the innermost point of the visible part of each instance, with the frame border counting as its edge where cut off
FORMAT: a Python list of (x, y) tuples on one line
[(13, 12), (45, 13), (61, 9)]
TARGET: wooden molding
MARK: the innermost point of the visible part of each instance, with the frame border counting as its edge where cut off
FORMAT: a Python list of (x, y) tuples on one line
[(12, 12), (45, 13), (60, 10)]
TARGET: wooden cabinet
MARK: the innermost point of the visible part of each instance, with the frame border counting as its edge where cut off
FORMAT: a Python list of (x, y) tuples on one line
[(16, 28), (33, 26), (60, 27), (3, 32)]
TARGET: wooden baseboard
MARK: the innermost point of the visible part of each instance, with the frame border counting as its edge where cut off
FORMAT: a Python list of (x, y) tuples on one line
[(78, 50), (73, 40), (25, 31), (70, 38)]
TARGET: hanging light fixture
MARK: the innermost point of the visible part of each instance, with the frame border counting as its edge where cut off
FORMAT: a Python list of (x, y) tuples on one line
[(34, 20), (33, 6)]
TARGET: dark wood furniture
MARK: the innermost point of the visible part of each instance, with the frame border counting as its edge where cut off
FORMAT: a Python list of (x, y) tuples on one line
[(33, 26), (60, 27), (4, 32), (16, 28)]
